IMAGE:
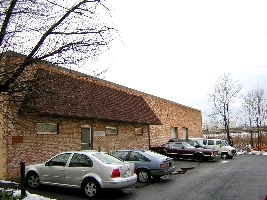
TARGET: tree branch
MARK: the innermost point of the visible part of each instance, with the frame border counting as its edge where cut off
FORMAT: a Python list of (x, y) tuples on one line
[(6, 20)]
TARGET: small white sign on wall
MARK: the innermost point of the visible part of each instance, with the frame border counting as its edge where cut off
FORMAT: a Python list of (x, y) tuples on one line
[(99, 133)]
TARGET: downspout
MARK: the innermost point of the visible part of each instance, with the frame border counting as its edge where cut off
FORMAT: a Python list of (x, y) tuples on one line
[(148, 137)]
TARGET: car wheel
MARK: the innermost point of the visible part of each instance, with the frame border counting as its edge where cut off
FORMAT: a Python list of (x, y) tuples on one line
[(91, 188), (143, 175), (32, 180), (224, 156), (199, 157)]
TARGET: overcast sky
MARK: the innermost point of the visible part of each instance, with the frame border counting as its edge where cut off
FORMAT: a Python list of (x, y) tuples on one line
[(177, 49)]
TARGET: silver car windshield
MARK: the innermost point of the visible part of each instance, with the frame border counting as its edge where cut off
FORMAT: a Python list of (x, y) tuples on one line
[(106, 158)]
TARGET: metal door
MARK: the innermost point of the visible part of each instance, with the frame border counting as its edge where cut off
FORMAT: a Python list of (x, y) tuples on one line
[(174, 132), (185, 133), (86, 143)]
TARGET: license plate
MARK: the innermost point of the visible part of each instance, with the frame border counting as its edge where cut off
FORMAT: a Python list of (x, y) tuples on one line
[(127, 173)]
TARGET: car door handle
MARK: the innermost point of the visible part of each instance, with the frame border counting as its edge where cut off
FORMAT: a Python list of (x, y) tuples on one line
[(62, 170), (84, 170)]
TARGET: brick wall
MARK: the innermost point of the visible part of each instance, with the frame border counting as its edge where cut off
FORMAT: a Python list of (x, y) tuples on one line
[(173, 115), (36, 148)]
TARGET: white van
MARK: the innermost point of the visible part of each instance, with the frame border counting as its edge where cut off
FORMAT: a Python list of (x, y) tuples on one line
[(224, 149)]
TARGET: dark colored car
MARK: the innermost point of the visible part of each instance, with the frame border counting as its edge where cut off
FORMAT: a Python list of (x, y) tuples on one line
[(147, 163), (184, 150), (193, 143)]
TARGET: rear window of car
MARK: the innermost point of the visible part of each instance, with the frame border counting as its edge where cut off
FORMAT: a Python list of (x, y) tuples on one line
[(154, 154), (107, 158)]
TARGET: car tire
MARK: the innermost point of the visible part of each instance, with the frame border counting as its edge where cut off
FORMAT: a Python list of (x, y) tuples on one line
[(143, 175), (90, 188), (199, 157), (224, 156), (32, 180)]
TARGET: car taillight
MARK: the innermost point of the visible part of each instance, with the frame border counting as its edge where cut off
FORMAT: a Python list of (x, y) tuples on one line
[(134, 169), (115, 173)]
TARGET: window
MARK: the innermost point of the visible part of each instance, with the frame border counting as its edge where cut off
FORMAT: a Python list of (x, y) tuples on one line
[(178, 145), (80, 160), (59, 160), (107, 158), (111, 130), (210, 142), (47, 128), (124, 155), (138, 131), (136, 157)]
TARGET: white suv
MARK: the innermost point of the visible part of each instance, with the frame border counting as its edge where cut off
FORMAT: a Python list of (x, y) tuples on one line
[(224, 149)]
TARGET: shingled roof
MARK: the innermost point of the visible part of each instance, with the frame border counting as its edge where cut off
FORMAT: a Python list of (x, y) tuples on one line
[(58, 94)]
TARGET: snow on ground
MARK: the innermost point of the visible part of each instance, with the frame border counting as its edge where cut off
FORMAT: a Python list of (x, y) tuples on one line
[(28, 197), (258, 153), (31, 196)]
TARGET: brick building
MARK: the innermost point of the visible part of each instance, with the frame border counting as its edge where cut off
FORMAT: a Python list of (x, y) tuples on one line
[(53, 109)]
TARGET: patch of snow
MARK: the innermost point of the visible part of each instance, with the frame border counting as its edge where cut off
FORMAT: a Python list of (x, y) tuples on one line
[(265, 154), (28, 197), (256, 152), (35, 197)]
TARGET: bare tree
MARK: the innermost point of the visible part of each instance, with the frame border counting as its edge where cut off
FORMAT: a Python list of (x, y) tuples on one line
[(255, 107), (61, 32), (247, 113), (223, 96)]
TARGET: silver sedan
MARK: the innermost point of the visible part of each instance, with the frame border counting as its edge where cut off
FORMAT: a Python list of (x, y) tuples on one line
[(88, 170)]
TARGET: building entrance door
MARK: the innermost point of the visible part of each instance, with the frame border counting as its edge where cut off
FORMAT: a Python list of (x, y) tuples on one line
[(86, 134), (185, 133), (174, 132)]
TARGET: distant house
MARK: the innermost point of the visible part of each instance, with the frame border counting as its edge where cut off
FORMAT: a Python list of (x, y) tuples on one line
[(54, 109)]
